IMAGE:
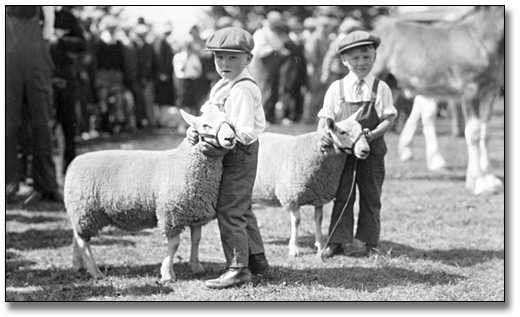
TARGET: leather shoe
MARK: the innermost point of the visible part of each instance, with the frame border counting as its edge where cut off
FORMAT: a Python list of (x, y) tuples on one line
[(258, 263), (234, 276), (332, 250)]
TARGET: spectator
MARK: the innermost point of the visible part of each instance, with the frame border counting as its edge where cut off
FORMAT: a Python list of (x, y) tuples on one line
[(109, 75), (66, 46), (188, 71), (293, 74), (28, 81), (267, 57), (146, 69), (164, 87), (315, 49)]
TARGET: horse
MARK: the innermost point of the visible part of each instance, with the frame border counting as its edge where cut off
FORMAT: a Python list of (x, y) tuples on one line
[(460, 61)]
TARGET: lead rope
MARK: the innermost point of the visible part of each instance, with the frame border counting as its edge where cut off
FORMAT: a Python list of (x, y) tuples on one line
[(343, 210)]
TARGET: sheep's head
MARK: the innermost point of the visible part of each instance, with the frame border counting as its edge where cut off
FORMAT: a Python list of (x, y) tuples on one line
[(216, 133), (347, 135)]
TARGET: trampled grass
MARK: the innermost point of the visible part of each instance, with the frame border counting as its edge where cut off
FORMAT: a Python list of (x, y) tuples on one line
[(438, 243)]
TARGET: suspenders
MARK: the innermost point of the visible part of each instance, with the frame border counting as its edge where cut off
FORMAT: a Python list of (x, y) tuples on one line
[(236, 82)]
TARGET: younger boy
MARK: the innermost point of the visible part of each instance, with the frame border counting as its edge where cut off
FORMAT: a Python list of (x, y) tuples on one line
[(237, 95), (359, 90)]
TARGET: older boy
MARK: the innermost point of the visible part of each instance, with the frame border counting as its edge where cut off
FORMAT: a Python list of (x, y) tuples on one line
[(359, 90), (238, 95)]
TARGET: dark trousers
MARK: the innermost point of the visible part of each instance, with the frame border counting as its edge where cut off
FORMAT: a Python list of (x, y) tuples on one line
[(65, 102), (238, 226), (28, 80), (268, 80), (369, 181)]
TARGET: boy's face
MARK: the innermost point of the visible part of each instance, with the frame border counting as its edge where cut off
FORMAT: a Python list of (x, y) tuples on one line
[(231, 64), (359, 60)]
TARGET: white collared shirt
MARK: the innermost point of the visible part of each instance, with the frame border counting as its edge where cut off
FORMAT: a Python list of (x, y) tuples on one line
[(332, 106), (243, 106)]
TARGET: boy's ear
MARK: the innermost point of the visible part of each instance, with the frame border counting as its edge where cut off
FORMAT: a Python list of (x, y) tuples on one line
[(249, 59)]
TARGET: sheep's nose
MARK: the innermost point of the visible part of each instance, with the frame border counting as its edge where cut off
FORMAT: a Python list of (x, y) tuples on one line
[(230, 139), (365, 152)]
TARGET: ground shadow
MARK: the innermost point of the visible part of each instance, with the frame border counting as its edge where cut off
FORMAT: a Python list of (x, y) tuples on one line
[(359, 278), (33, 239), (462, 257), (33, 219)]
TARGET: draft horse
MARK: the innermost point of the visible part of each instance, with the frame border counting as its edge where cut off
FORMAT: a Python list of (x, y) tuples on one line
[(461, 61)]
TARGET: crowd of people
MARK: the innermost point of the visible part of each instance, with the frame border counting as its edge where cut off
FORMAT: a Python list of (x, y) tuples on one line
[(110, 75)]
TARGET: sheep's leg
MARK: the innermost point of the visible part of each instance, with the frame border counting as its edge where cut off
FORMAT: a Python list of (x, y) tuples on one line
[(318, 219), (77, 260), (295, 223), (196, 233), (82, 250), (167, 273)]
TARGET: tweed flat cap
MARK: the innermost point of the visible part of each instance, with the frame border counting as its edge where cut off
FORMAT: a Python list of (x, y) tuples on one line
[(358, 38), (230, 39)]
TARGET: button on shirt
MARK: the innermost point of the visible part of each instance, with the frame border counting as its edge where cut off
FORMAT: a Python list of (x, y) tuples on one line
[(332, 106), (243, 106)]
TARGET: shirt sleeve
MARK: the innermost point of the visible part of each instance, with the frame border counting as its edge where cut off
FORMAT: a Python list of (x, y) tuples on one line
[(328, 109), (387, 103), (242, 113)]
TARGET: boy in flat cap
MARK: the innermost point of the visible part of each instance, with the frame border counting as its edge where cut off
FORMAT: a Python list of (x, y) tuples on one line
[(361, 94), (237, 95)]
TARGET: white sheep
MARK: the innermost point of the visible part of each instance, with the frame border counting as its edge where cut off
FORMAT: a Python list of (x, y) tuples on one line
[(134, 190), (293, 171)]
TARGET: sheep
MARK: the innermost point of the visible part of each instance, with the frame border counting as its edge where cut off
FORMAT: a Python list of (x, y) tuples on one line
[(294, 171), (134, 190)]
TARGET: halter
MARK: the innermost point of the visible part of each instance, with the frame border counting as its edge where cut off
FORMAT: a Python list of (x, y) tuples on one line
[(351, 148), (218, 146)]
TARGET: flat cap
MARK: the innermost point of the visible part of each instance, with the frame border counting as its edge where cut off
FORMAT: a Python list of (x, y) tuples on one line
[(230, 39), (358, 38)]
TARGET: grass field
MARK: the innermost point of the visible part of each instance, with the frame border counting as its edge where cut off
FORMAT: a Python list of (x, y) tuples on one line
[(438, 242)]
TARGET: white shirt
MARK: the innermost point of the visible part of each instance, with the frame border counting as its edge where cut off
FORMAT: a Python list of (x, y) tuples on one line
[(243, 106), (331, 104)]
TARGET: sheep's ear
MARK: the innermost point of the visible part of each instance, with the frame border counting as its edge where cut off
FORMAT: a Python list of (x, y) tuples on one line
[(190, 119), (331, 125)]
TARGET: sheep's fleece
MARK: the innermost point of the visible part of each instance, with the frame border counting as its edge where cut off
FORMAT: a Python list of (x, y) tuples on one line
[(133, 190)]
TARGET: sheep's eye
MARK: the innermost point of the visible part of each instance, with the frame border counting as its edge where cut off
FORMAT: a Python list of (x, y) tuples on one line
[(342, 132), (205, 126)]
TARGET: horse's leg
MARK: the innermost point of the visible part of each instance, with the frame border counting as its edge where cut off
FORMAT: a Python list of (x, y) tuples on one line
[(167, 273), (457, 118), (82, 257), (434, 159), (492, 183), (196, 234), (295, 223), (404, 147), (318, 219)]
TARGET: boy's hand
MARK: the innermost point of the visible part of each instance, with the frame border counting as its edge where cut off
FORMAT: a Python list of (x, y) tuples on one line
[(192, 135), (325, 139), (368, 135)]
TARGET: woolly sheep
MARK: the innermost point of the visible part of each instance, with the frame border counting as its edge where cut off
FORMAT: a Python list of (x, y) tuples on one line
[(134, 190), (293, 171)]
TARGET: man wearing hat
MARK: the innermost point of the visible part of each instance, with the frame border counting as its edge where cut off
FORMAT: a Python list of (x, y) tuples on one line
[(237, 95), (269, 52), (370, 101)]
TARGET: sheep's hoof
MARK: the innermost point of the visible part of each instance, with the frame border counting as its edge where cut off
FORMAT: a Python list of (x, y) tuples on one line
[(167, 279)]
